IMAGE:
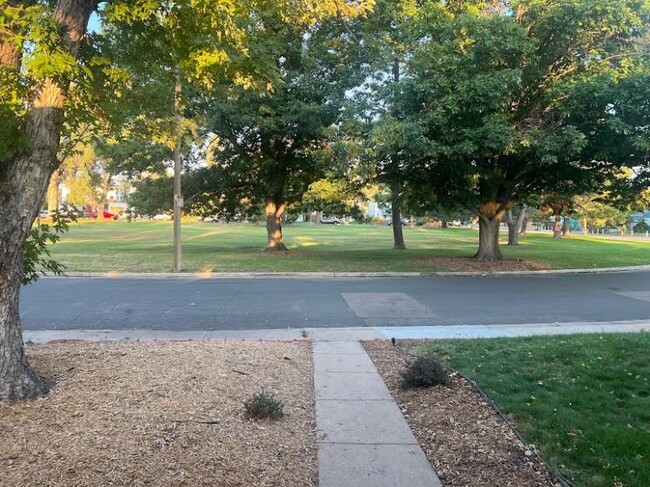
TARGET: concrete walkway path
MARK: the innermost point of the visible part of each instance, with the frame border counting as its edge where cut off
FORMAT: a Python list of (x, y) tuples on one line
[(363, 439)]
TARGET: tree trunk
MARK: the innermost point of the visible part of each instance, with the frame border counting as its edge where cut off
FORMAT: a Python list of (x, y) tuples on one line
[(513, 234), (396, 218), (566, 227), (443, 223), (53, 193), (515, 224), (557, 227), (17, 379), (274, 212), (488, 231), (585, 228), (23, 183), (524, 226)]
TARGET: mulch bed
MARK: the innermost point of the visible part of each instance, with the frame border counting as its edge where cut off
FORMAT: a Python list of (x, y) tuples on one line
[(467, 443), (162, 414), (467, 264)]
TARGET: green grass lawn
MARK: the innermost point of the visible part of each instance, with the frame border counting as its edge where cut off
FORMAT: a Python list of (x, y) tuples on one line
[(147, 247), (583, 400)]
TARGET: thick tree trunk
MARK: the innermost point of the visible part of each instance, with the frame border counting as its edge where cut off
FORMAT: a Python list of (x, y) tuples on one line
[(443, 223), (396, 218), (524, 226), (17, 379), (23, 184), (557, 227), (489, 221), (274, 212)]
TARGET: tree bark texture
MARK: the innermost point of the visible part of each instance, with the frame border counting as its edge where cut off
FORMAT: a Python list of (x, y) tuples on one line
[(489, 222), (396, 218), (557, 227), (23, 183), (514, 225), (274, 212)]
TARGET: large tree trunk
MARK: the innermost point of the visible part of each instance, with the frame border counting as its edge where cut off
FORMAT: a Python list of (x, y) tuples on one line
[(17, 379), (490, 216), (557, 227), (23, 183), (274, 212), (396, 218), (443, 223)]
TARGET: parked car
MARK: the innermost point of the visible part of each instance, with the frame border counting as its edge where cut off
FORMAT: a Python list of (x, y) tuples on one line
[(162, 216), (330, 220), (107, 216)]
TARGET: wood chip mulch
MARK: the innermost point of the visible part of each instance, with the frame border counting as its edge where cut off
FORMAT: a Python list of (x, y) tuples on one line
[(467, 264), (467, 443), (162, 414)]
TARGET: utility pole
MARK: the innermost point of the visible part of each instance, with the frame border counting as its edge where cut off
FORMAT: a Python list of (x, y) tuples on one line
[(178, 195)]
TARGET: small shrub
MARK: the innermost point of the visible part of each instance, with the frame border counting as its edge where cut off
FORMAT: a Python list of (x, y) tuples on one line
[(263, 405), (425, 371)]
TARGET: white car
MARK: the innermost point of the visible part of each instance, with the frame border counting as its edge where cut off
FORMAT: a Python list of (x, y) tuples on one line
[(162, 216)]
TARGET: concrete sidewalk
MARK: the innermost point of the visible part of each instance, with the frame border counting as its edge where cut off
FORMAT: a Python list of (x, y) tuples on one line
[(347, 334), (363, 439)]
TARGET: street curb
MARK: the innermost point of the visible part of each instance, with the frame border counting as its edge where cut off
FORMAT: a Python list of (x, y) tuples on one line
[(343, 334), (334, 275)]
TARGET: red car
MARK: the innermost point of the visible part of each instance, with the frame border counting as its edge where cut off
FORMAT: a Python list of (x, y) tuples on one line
[(107, 216)]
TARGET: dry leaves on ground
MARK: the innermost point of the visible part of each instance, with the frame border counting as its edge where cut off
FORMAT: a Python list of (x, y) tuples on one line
[(467, 443), (467, 264), (162, 414)]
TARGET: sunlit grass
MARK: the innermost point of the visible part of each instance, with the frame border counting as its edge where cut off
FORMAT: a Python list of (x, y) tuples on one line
[(147, 247), (583, 400)]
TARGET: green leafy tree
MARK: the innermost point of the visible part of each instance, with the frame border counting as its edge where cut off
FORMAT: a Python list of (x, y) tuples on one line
[(274, 144), (502, 100), (39, 58)]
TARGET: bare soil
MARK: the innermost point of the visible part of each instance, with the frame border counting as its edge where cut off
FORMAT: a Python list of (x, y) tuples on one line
[(467, 264), (466, 441), (162, 414)]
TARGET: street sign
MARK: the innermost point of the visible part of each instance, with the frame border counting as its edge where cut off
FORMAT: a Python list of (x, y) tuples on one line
[(179, 200)]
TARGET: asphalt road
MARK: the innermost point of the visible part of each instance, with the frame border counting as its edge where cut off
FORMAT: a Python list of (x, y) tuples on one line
[(234, 304)]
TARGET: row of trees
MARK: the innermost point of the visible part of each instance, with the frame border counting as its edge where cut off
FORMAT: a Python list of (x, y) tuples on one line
[(461, 105)]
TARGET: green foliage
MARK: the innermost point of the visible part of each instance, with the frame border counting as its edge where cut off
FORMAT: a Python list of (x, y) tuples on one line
[(263, 405), (424, 371), (36, 252)]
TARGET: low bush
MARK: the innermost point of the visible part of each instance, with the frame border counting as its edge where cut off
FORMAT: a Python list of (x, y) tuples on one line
[(263, 405), (425, 371)]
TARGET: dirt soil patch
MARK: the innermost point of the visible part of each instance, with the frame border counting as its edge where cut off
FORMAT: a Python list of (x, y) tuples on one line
[(162, 414), (467, 264), (467, 443)]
